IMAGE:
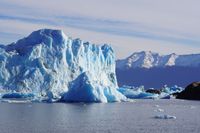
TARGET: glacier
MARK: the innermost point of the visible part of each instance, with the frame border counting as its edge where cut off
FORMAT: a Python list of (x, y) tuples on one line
[(49, 66)]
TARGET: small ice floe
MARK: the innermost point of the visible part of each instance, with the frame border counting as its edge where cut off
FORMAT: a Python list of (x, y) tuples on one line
[(159, 110), (164, 117), (157, 106), (192, 107)]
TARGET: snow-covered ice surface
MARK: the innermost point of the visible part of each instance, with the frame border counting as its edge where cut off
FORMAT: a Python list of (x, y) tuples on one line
[(48, 65), (124, 117)]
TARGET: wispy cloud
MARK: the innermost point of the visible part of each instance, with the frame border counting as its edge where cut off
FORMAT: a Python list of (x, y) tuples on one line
[(148, 22), (27, 19), (108, 26), (9, 35)]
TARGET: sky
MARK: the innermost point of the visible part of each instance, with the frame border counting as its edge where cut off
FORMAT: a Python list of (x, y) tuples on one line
[(164, 26)]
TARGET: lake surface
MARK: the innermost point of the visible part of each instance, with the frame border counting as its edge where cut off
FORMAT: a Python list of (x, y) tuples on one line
[(136, 117)]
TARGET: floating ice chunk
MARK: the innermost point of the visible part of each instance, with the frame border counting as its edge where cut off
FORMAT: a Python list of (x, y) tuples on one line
[(140, 93), (171, 90), (164, 117), (159, 110), (137, 93)]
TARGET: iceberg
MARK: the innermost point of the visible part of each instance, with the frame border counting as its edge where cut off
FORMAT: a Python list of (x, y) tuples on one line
[(137, 93), (49, 65), (132, 92)]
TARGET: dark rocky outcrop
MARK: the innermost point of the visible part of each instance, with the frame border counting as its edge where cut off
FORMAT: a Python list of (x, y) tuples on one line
[(191, 92), (153, 91), (175, 94)]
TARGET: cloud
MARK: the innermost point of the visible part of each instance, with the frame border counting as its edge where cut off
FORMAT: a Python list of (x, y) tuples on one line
[(164, 23), (115, 27), (27, 19), (11, 36)]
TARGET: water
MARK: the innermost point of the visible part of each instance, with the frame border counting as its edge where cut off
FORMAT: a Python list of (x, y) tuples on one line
[(137, 117)]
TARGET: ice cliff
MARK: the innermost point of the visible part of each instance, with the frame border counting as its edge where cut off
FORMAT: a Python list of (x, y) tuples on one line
[(48, 64)]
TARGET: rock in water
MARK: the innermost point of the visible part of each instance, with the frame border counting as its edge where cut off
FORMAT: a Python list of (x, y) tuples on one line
[(153, 91), (191, 92), (48, 62)]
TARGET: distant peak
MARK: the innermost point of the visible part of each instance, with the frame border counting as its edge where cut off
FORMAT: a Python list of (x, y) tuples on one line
[(144, 52), (149, 59)]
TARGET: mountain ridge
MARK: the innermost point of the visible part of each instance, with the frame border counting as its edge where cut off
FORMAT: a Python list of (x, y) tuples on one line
[(148, 59), (154, 70)]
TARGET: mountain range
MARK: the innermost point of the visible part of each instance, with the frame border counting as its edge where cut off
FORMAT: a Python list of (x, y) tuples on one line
[(155, 70)]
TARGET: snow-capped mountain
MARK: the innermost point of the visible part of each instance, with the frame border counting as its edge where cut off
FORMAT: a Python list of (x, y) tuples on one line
[(49, 64), (155, 70), (148, 59)]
